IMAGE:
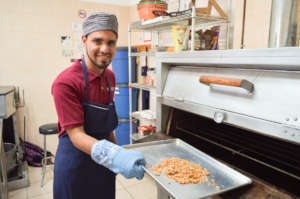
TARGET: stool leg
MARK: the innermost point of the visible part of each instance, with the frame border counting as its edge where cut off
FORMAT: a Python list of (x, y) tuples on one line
[(44, 162)]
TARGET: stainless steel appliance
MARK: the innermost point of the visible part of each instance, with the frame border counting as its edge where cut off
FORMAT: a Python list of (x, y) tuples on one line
[(3, 176), (284, 23), (241, 107), (13, 168)]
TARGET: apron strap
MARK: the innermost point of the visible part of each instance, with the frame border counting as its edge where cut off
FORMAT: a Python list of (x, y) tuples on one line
[(87, 85), (85, 80), (109, 90)]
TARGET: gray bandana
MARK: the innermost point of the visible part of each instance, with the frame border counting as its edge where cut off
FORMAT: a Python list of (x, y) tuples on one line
[(100, 21)]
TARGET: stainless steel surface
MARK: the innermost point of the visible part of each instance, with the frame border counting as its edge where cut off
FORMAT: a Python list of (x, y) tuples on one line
[(7, 102), (22, 181), (155, 152), (167, 22), (18, 178), (142, 86), (274, 162), (3, 176), (283, 27), (265, 127), (284, 59), (275, 73), (20, 152), (11, 156)]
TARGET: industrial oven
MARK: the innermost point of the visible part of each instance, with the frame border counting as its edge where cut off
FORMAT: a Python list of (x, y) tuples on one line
[(241, 107)]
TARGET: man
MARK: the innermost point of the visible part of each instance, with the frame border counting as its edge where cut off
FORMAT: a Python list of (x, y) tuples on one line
[(87, 157)]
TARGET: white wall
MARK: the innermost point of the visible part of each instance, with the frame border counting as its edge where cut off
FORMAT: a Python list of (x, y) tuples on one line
[(31, 53)]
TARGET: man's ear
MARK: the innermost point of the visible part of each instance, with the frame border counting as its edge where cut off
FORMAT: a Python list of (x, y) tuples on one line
[(83, 38)]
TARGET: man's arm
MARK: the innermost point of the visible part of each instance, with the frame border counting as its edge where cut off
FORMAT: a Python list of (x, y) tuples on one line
[(81, 140), (117, 159)]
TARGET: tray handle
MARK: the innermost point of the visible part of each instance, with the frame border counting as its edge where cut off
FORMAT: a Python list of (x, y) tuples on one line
[(245, 84)]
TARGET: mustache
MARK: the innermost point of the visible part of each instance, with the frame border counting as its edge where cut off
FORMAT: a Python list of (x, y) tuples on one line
[(104, 54)]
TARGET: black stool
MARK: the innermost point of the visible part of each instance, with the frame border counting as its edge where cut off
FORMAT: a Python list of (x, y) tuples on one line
[(46, 129)]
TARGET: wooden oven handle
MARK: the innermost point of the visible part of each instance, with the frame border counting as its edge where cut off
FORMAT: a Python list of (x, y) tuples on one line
[(245, 84)]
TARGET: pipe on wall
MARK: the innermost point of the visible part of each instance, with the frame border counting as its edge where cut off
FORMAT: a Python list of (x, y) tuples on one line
[(283, 24)]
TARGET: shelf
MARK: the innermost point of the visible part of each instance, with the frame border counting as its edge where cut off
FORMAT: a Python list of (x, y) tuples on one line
[(143, 115), (143, 54), (143, 87), (165, 22)]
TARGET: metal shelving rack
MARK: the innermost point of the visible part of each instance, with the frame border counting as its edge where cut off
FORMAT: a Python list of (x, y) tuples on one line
[(160, 24)]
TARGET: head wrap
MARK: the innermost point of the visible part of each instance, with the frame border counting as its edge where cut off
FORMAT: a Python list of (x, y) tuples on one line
[(100, 21)]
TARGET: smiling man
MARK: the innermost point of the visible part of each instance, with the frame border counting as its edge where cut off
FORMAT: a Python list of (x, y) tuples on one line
[(87, 157)]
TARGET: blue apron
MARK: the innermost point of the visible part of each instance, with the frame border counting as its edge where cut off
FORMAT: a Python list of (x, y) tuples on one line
[(76, 175)]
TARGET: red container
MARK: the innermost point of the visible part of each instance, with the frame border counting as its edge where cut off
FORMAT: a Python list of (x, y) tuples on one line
[(145, 9)]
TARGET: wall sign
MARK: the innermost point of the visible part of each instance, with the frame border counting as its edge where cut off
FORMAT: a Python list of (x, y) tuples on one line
[(82, 13)]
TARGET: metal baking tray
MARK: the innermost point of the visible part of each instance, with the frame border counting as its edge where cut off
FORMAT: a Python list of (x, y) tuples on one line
[(156, 151)]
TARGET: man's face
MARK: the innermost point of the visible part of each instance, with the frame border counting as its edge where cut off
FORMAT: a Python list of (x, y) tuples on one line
[(100, 47)]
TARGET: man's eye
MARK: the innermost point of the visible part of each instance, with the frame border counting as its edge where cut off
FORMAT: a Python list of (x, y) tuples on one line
[(98, 41), (111, 43)]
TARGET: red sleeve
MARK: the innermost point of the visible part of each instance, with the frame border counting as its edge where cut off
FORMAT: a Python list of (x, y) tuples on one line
[(68, 105)]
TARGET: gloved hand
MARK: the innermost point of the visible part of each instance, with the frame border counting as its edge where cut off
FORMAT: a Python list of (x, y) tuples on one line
[(119, 160), (129, 163)]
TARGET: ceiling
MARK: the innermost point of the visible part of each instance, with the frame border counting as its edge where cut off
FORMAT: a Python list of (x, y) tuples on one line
[(115, 2)]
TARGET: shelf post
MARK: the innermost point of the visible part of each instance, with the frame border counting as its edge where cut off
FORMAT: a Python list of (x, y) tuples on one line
[(193, 28), (129, 84)]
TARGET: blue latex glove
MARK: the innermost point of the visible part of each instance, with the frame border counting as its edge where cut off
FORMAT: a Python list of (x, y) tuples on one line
[(119, 160)]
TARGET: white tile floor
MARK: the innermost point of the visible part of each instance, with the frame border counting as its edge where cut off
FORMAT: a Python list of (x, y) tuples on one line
[(125, 189)]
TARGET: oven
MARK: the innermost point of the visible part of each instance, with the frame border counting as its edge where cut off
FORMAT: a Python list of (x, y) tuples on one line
[(241, 107)]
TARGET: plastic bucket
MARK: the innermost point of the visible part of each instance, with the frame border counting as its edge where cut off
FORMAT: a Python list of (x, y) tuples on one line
[(146, 9), (120, 66), (122, 100), (122, 132)]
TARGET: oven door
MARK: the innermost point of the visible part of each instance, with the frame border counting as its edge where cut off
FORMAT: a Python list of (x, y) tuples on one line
[(261, 101)]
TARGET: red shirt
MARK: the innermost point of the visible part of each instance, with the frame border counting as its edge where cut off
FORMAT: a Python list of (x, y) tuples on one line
[(68, 91)]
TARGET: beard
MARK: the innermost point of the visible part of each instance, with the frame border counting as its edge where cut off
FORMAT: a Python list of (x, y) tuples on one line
[(102, 65)]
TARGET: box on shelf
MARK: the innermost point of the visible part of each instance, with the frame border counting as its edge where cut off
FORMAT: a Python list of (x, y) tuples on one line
[(207, 39), (143, 48), (146, 130)]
